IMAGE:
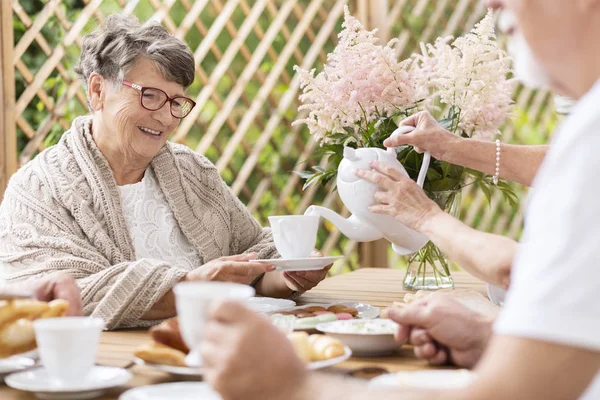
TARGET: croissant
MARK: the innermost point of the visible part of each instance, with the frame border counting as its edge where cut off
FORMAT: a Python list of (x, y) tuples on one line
[(16, 326), (168, 333), (301, 345), (325, 347), (157, 353)]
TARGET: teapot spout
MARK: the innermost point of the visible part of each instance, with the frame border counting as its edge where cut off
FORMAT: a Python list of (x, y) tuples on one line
[(351, 227)]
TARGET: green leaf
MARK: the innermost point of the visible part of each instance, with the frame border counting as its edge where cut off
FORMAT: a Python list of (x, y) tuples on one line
[(486, 190), (304, 174)]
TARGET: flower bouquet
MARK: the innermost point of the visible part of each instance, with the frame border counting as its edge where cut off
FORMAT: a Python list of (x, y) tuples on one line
[(364, 91)]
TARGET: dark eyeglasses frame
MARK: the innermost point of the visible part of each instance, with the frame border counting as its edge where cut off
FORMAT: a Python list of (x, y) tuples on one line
[(142, 89)]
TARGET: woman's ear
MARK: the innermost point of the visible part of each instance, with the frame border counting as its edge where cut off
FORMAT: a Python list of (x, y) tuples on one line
[(96, 91)]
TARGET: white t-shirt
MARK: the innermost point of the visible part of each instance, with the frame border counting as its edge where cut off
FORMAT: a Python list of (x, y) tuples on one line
[(556, 274), (153, 227)]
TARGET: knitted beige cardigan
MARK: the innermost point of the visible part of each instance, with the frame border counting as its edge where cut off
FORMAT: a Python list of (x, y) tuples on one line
[(62, 212)]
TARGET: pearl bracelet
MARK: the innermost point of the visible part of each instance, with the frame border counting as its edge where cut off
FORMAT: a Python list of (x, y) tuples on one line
[(497, 173)]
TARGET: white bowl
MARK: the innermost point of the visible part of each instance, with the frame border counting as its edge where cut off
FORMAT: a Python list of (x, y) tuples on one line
[(366, 338)]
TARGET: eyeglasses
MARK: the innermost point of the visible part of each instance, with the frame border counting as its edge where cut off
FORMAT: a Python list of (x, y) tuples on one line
[(153, 99)]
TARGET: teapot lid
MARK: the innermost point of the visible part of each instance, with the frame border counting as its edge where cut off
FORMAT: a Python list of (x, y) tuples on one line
[(356, 159)]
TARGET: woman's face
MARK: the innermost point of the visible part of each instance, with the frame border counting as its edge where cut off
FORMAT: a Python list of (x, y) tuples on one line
[(127, 127)]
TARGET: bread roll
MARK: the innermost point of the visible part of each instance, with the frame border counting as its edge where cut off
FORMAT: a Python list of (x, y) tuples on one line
[(325, 347), (301, 345), (157, 353), (168, 333), (16, 327)]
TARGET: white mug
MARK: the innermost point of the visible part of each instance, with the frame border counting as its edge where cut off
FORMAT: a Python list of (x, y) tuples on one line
[(192, 300), (295, 236), (68, 346)]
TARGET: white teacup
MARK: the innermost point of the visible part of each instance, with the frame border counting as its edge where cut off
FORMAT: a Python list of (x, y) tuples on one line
[(68, 346), (192, 300), (295, 236)]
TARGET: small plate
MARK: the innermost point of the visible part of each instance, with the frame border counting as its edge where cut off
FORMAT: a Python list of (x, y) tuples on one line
[(366, 338), (171, 369), (365, 311), (197, 372), (332, 361), (176, 390), (37, 380), (269, 304), (426, 379), (300, 264)]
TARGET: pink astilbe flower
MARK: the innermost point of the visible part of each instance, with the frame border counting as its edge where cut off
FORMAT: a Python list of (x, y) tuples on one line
[(360, 82), (471, 75)]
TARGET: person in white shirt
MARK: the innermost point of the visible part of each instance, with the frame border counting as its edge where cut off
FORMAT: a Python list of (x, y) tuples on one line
[(546, 342)]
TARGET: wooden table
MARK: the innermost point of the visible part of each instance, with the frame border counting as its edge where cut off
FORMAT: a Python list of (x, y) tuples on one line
[(379, 287)]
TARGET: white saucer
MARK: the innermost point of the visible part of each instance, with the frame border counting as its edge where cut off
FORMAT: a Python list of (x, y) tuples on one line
[(332, 361), (269, 304), (37, 380), (176, 390), (188, 372), (300, 264)]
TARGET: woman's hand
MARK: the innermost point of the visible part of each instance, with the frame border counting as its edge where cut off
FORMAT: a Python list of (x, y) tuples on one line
[(428, 136), (302, 281), (239, 269), (399, 196)]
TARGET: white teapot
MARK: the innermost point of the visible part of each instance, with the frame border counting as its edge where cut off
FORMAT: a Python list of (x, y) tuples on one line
[(357, 195)]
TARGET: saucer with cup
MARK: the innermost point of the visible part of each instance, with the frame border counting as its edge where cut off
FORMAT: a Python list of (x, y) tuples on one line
[(295, 237), (67, 348)]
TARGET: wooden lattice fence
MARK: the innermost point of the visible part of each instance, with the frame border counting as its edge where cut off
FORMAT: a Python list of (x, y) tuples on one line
[(246, 89)]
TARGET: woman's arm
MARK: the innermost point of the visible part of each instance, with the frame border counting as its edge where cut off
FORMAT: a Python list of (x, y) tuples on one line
[(487, 256), (518, 163)]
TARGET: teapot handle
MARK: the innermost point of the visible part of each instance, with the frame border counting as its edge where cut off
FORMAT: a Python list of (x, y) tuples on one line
[(403, 130)]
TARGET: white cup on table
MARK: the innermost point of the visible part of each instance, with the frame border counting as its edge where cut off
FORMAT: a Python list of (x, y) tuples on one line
[(192, 300), (68, 345), (295, 236)]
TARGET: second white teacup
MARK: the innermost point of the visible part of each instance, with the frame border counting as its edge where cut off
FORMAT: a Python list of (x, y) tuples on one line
[(192, 300), (295, 236), (68, 346)]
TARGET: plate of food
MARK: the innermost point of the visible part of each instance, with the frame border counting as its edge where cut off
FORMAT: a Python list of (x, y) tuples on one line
[(309, 316), (17, 337), (167, 351), (367, 338), (319, 351)]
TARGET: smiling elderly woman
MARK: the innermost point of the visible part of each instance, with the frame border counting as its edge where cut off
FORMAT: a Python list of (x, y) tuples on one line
[(122, 210)]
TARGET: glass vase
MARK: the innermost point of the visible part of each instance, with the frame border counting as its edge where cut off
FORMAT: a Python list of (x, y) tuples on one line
[(429, 268)]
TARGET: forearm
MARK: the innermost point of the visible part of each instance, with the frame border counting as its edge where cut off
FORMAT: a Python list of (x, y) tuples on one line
[(124, 294), (536, 370), (486, 256), (518, 163), (163, 308), (272, 285)]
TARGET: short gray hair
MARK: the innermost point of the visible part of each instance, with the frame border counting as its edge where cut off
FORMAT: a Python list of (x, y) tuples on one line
[(113, 48)]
